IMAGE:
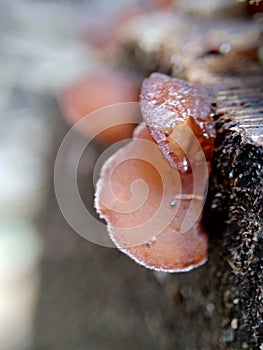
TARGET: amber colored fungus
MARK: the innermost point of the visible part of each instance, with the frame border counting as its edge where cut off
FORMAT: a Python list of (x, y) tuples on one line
[(96, 91), (167, 105), (148, 228), (153, 207)]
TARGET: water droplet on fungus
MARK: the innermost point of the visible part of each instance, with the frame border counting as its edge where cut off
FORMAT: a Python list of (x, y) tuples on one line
[(173, 203)]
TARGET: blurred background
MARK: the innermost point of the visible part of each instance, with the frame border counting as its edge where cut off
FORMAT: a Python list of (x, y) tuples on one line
[(60, 60), (57, 290)]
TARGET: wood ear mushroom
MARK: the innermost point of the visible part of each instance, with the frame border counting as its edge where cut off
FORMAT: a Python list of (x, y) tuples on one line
[(151, 191)]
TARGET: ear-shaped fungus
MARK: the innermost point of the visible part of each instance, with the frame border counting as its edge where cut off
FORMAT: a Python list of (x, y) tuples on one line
[(144, 200), (167, 105)]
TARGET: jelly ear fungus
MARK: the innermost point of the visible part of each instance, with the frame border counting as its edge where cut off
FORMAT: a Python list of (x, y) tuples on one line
[(151, 232), (168, 104)]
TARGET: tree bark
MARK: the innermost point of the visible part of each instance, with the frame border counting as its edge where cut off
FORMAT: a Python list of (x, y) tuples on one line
[(225, 296)]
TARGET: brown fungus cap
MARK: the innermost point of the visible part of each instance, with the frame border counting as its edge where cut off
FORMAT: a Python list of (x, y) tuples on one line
[(169, 104), (145, 203)]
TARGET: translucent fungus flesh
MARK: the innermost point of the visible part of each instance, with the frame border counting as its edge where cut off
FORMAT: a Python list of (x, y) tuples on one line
[(151, 191), (140, 218), (167, 105)]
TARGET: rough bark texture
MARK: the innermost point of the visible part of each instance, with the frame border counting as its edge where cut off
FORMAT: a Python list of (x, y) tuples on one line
[(236, 197), (237, 185)]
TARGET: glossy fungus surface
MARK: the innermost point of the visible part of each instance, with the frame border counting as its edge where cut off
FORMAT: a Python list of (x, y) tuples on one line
[(168, 105), (144, 218), (153, 207)]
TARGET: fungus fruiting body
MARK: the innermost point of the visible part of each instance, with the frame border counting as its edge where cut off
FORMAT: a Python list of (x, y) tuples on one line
[(168, 105), (151, 191), (88, 96)]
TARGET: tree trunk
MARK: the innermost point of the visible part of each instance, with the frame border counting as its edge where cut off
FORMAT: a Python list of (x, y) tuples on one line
[(112, 303)]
